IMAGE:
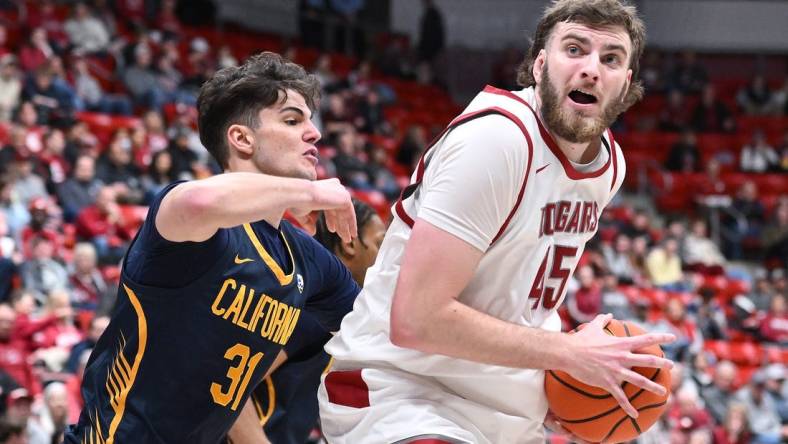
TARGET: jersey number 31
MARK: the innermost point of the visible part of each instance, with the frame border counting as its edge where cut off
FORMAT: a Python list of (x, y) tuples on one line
[(239, 376)]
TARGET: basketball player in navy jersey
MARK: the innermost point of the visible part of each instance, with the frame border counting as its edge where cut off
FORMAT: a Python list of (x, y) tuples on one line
[(286, 402), (216, 282)]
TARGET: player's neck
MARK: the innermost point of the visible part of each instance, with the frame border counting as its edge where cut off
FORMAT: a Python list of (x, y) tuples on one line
[(582, 153)]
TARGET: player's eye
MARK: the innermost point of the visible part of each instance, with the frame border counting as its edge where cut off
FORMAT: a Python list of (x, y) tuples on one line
[(611, 59), (573, 50), (291, 122)]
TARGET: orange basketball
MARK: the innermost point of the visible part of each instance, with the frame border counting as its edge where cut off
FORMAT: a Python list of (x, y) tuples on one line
[(592, 413)]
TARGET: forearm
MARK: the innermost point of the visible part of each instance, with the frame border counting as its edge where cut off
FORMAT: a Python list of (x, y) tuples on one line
[(231, 199), (195, 210), (247, 428), (460, 331)]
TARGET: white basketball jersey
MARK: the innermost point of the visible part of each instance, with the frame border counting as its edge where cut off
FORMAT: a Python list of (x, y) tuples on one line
[(521, 278)]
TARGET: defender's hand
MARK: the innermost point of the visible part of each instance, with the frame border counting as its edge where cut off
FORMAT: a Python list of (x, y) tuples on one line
[(330, 196)]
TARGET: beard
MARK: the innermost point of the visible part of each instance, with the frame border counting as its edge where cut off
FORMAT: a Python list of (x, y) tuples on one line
[(572, 126)]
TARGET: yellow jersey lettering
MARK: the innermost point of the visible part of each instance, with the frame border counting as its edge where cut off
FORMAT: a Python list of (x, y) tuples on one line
[(249, 298), (235, 307), (258, 310), (291, 326), (279, 317), (265, 330), (215, 307)]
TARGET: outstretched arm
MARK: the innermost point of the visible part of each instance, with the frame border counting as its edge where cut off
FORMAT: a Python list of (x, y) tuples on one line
[(426, 316), (195, 210)]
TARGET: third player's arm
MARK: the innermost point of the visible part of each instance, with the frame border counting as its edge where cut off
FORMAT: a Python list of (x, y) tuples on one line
[(194, 211), (427, 316)]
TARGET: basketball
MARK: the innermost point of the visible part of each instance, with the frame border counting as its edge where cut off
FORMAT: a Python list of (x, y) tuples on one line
[(592, 413)]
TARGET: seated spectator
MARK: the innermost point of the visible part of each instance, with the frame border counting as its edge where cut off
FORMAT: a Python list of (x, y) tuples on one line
[(79, 190), (619, 261), (701, 254), (97, 326), (614, 301), (44, 14), (689, 339), (675, 117), (30, 125), (142, 81), (664, 266), (718, 395), (184, 159), (16, 214), (755, 99), (53, 343), (370, 114), (166, 18), (42, 274), (159, 175), (93, 96), (14, 353), (744, 222), (10, 86), (42, 224), (684, 155), (54, 415), (761, 412), (758, 156), (116, 168), (735, 429), (27, 185), (585, 302), (711, 115), (639, 226), (86, 33), (52, 96), (689, 75), (777, 388), (412, 146), (36, 51), (687, 415), (381, 176), (336, 116), (710, 315), (103, 225), (350, 168), (20, 411), (53, 166), (775, 235), (90, 291), (774, 326)]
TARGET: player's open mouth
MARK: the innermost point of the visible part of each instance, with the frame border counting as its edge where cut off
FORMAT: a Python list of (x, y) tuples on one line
[(582, 97)]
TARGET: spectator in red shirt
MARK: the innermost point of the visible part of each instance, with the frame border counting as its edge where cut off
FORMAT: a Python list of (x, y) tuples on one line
[(103, 225), (54, 343), (36, 52), (90, 291), (735, 429), (41, 225), (774, 326), (586, 302), (13, 352), (686, 415)]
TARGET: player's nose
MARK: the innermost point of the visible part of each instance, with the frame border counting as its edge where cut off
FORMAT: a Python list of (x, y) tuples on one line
[(590, 68), (312, 134)]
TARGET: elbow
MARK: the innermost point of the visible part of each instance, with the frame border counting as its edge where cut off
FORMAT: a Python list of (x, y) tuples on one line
[(406, 327)]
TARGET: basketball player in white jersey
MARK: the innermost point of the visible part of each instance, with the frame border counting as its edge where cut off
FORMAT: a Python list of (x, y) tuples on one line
[(457, 321)]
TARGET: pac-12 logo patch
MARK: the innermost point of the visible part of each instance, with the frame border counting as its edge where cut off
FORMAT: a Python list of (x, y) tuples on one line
[(300, 283)]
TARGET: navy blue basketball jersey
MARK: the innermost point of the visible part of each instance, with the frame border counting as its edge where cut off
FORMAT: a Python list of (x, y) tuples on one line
[(286, 401), (177, 364)]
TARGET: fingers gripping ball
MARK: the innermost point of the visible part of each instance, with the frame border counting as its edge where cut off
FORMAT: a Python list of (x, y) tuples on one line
[(592, 413)]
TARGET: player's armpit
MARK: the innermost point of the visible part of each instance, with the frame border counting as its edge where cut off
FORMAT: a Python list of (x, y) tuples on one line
[(247, 428)]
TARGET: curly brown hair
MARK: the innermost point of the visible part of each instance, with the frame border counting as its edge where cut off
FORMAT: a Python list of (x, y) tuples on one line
[(235, 95), (594, 13)]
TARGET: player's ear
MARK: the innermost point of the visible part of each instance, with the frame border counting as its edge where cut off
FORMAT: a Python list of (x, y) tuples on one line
[(241, 139), (628, 82), (538, 66), (348, 249)]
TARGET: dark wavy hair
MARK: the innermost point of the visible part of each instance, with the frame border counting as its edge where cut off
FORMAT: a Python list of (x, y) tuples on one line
[(331, 241), (594, 13), (235, 95)]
